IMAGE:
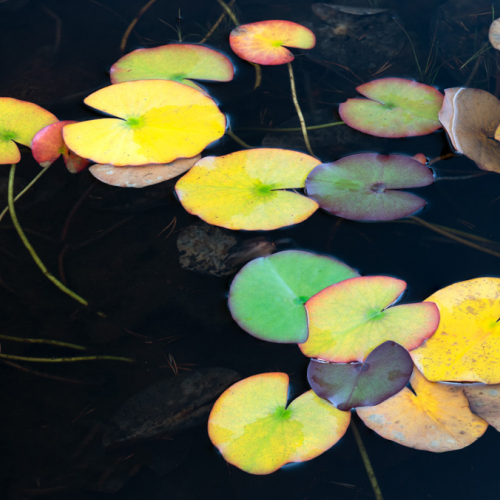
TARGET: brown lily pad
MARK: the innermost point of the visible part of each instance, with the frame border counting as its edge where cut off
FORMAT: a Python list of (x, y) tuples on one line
[(484, 401)]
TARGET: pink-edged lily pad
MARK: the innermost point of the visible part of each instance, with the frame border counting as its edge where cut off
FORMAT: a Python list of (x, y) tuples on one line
[(48, 145), (365, 186), (19, 122), (267, 296), (178, 62), (255, 430), (264, 42), (349, 319), (386, 370), (395, 108), (143, 175)]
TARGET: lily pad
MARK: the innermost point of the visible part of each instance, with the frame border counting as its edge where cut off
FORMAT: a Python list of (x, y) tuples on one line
[(247, 189), (466, 346), (386, 370), (348, 320), (19, 122), (494, 34), (395, 108), (178, 62), (48, 145), (255, 430), (143, 175), (267, 296), (158, 122), (484, 401), (436, 418), (364, 186), (264, 42), (446, 114)]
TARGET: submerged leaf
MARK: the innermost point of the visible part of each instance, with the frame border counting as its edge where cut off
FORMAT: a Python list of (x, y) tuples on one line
[(484, 401), (254, 429)]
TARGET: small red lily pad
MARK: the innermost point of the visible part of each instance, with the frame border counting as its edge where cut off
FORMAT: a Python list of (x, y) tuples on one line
[(395, 108), (264, 42)]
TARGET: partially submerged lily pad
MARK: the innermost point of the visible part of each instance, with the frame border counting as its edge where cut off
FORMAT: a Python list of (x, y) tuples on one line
[(348, 320), (248, 189), (364, 186), (484, 401), (466, 345), (255, 430), (395, 108), (158, 122), (386, 370), (19, 122), (436, 418), (178, 62), (264, 42), (267, 296), (142, 175)]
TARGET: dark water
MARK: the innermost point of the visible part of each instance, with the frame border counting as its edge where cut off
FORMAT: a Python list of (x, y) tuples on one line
[(55, 53)]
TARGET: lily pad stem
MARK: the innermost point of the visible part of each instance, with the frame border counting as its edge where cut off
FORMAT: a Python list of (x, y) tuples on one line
[(235, 138), (299, 111), (292, 129), (65, 360), (43, 341), (366, 462), (27, 244)]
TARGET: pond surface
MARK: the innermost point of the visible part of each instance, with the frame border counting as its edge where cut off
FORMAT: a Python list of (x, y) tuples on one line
[(119, 249)]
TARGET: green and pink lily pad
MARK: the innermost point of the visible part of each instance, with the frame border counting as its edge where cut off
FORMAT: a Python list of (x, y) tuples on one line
[(178, 62), (19, 122), (386, 370), (395, 108), (264, 42), (48, 145), (350, 319), (267, 296), (366, 186), (255, 430)]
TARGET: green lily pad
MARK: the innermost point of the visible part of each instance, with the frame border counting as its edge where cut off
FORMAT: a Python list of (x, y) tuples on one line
[(395, 108), (386, 370), (349, 319), (267, 296), (178, 62), (364, 186), (255, 430)]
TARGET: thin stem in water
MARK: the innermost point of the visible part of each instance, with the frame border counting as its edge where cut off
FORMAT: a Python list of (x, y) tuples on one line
[(65, 360), (235, 138), (292, 129), (43, 341)]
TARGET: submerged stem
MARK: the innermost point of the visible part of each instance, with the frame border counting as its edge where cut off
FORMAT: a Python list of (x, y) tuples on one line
[(292, 129), (43, 341), (235, 138), (65, 360), (299, 111)]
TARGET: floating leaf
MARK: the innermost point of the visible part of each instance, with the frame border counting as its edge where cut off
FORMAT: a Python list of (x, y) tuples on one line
[(386, 370), (363, 186), (264, 42), (348, 320), (143, 175), (159, 121), (19, 122), (246, 189), (436, 419), (484, 401), (267, 296), (48, 145), (395, 108), (254, 429), (466, 345), (447, 112), (494, 34), (178, 62)]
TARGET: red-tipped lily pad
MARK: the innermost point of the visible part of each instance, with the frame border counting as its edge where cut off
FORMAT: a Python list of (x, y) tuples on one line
[(178, 62), (158, 122), (255, 430), (19, 122), (365, 186), (48, 145), (348, 320), (386, 370), (248, 189), (264, 42), (267, 296), (395, 108)]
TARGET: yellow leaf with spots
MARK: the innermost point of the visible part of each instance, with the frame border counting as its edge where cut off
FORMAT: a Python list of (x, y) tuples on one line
[(437, 418), (466, 345)]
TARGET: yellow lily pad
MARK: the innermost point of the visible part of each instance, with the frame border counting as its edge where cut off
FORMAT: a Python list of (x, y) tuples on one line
[(158, 122), (246, 189)]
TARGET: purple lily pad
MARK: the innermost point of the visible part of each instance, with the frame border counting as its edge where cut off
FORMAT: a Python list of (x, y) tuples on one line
[(364, 186), (384, 373)]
